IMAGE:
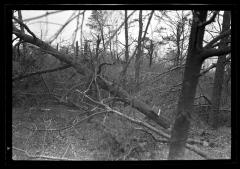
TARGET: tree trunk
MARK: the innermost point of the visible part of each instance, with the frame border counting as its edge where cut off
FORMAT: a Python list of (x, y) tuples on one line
[(125, 65), (76, 49), (219, 76), (178, 44), (181, 126), (137, 61), (23, 59), (151, 54)]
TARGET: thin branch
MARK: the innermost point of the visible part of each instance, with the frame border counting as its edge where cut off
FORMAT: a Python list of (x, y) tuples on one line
[(101, 65), (172, 69), (41, 72), (38, 17), (118, 29), (81, 68), (219, 37), (76, 29), (41, 156), (161, 133), (61, 29), (46, 22), (129, 60), (213, 66), (209, 32), (219, 25), (148, 23)]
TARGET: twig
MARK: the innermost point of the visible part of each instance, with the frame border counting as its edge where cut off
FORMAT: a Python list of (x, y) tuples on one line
[(213, 41), (37, 17), (41, 72), (40, 156)]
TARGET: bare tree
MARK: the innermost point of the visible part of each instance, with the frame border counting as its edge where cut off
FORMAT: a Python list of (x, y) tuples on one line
[(139, 52), (124, 71), (195, 57), (219, 74), (178, 34)]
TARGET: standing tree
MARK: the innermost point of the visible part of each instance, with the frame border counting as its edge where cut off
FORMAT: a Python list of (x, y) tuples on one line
[(98, 22), (195, 57), (139, 52), (178, 34), (219, 74), (123, 73)]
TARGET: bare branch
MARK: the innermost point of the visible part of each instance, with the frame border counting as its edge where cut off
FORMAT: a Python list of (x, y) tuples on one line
[(165, 135), (129, 60), (46, 22), (118, 29), (206, 53), (76, 29), (219, 37), (212, 19), (82, 69), (61, 29), (213, 66), (134, 102), (37, 17), (170, 70), (148, 23), (41, 72), (101, 65), (25, 26)]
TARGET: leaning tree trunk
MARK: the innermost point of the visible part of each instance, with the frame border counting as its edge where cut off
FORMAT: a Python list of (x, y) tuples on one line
[(181, 126), (219, 76)]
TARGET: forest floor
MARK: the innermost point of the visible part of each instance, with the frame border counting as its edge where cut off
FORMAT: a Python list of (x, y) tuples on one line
[(55, 132)]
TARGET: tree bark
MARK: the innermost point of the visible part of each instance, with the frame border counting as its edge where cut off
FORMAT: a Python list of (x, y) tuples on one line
[(138, 56), (196, 55), (151, 53), (24, 44), (125, 65), (219, 76), (178, 43), (181, 126)]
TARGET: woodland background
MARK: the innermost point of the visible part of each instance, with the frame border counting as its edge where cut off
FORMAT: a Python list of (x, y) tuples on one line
[(126, 85)]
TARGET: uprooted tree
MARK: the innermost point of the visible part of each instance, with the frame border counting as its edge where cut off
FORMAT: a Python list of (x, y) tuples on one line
[(84, 70)]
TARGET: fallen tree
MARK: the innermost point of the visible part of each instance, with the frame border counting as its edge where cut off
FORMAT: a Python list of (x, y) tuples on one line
[(103, 83)]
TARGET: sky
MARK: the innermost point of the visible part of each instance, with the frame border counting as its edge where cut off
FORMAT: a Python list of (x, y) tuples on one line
[(55, 21)]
